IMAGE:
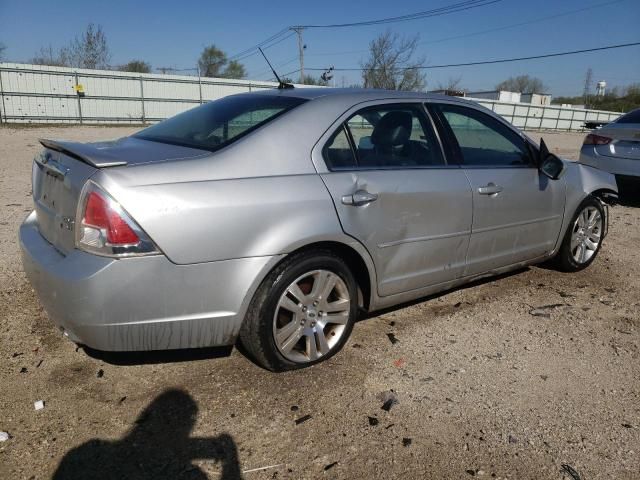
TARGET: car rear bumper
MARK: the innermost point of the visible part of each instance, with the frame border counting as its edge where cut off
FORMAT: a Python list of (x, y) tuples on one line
[(615, 165), (142, 303)]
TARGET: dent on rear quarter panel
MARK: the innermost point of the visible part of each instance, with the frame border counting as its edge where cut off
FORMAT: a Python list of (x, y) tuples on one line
[(203, 221)]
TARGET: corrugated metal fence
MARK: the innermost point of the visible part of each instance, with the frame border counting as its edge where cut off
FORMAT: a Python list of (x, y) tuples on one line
[(42, 94), (546, 117), (39, 94)]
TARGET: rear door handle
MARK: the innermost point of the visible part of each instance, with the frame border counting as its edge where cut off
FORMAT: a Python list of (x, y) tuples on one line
[(490, 189), (361, 197)]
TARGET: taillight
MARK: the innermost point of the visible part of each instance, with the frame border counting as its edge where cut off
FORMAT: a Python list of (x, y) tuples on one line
[(593, 139), (106, 229)]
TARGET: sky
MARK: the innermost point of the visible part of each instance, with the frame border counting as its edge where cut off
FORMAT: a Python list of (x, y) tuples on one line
[(172, 34)]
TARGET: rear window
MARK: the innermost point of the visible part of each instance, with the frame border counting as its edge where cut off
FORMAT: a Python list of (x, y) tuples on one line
[(631, 117), (219, 123)]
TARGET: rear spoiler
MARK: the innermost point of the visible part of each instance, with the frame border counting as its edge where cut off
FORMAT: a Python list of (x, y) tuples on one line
[(84, 152)]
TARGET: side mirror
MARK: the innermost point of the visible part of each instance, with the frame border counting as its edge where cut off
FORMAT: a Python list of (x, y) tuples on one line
[(548, 163)]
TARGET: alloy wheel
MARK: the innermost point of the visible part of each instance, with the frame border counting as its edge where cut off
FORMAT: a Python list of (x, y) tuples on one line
[(586, 234), (311, 316)]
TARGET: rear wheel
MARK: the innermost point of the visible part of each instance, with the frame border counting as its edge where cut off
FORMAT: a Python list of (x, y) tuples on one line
[(303, 312), (583, 239)]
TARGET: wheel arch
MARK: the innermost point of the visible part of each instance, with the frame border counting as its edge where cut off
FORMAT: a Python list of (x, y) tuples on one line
[(356, 258)]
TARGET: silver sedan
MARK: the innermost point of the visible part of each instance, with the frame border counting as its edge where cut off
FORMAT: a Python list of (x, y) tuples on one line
[(615, 148), (276, 218)]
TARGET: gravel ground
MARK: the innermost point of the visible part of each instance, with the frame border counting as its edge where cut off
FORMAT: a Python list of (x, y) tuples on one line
[(483, 387)]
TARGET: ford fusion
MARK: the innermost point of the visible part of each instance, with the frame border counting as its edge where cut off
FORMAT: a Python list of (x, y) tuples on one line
[(275, 218)]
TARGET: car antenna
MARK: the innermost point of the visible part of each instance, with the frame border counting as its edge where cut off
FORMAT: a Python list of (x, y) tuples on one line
[(281, 85)]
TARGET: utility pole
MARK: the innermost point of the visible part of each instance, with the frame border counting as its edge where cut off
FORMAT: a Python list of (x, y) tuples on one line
[(587, 86), (301, 47)]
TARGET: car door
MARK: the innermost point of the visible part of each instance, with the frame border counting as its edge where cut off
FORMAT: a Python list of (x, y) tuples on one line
[(517, 211), (394, 191)]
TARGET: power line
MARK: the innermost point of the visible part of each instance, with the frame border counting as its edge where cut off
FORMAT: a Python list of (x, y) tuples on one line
[(435, 12), (488, 62), (273, 44), (482, 32), (457, 7)]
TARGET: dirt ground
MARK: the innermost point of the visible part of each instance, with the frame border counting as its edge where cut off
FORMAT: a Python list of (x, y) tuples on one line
[(483, 387)]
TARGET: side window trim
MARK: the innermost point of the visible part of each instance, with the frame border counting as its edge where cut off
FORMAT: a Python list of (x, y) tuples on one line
[(436, 108)]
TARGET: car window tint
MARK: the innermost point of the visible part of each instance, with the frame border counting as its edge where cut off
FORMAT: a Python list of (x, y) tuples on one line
[(338, 153), (631, 117), (483, 140), (394, 136)]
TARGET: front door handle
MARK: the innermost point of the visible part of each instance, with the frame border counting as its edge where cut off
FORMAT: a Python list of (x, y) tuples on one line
[(361, 197), (490, 189)]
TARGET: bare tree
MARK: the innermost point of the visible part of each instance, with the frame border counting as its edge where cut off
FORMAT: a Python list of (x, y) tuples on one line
[(89, 50), (47, 56), (138, 66), (522, 84), (2, 49), (452, 83), (391, 64)]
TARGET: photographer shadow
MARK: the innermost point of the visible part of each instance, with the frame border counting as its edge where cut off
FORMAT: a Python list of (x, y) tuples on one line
[(157, 446)]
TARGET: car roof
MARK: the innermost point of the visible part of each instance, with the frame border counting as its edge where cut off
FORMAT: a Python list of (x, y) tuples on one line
[(351, 94)]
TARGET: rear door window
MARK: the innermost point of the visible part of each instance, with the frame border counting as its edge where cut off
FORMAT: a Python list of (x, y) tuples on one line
[(631, 117), (386, 136)]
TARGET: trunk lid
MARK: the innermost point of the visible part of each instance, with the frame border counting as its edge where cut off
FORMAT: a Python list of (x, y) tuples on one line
[(62, 169), (626, 140)]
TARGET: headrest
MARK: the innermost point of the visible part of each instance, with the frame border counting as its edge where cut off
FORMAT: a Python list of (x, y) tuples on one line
[(393, 129)]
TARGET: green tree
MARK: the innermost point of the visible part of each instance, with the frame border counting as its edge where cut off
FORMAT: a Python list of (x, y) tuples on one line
[(211, 61), (234, 69), (138, 66)]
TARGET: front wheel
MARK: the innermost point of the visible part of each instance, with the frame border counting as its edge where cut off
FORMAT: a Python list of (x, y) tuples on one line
[(583, 239), (302, 313)]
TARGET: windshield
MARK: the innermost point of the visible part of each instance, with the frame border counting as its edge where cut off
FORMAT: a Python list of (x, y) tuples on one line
[(217, 124)]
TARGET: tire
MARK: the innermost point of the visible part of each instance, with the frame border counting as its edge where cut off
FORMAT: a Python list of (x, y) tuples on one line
[(283, 332), (569, 258)]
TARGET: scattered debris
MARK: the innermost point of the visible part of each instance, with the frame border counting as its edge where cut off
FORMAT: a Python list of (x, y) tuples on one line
[(544, 377), (373, 421), (356, 345), (4, 436), (428, 379), (17, 354), (406, 442), (122, 399), (471, 472), (536, 312), (262, 468), (39, 363), (399, 362), (39, 405), (512, 439), (571, 471), (100, 373), (392, 323), (457, 305), (389, 399), (392, 338), (389, 426), (627, 425), (330, 466), (23, 370), (302, 419), (295, 408)]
